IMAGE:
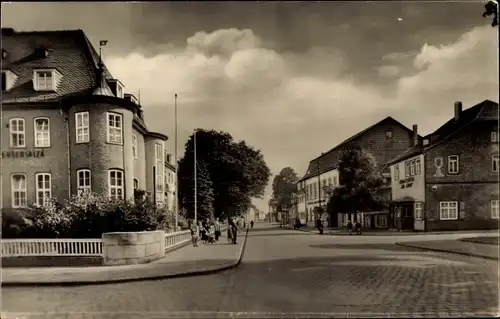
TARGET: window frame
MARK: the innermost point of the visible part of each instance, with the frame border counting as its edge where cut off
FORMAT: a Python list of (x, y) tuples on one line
[(82, 127), (495, 159), (412, 167), (18, 132), (43, 190), (136, 183), (115, 187), (83, 188), (109, 128), (495, 204), (159, 151), (418, 210), (494, 137), (35, 131), (450, 159), (418, 166), (134, 145), (396, 172), (36, 80), (407, 169), (13, 191), (442, 206)]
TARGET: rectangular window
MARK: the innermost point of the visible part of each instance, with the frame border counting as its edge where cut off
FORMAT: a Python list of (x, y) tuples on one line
[(169, 158), (407, 169), (448, 210), (382, 220), (43, 188), (418, 167), (134, 145), (115, 128), (335, 181), (83, 181), (412, 168), (42, 132), (115, 184), (19, 191), (495, 163), (44, 80), (136, 183), (495, 208), (82, 127), (159, 167), (418, 211), (17, 133), (494, 137), (396, 172), (453, 165)]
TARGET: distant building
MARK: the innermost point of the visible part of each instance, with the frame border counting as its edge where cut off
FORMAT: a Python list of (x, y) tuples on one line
[(170, 182), (450, 180), (67, 124), (384, 140)]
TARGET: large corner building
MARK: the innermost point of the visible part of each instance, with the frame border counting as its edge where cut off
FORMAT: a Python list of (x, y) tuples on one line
[(68, 126)]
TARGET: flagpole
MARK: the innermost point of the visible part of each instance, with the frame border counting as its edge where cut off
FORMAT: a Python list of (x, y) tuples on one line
[(195, 184), (176, 166)]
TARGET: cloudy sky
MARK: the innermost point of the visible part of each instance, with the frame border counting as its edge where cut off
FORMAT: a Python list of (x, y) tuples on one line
[(293, 79)]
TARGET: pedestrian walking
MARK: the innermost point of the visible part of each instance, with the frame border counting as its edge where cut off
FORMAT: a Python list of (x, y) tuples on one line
[(234, 231), (217, 229), (349, 227), (358, 228), (194, 234), (319, 225)]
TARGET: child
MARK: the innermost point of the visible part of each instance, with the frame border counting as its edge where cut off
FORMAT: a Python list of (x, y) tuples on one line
[(194, 234)]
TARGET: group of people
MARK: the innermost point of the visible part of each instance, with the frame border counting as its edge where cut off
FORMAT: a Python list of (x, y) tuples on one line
[(210, 231), (357, 227)]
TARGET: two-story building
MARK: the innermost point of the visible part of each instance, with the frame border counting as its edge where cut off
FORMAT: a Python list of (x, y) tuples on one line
[(450, 180), (384, 140), (67, 125)]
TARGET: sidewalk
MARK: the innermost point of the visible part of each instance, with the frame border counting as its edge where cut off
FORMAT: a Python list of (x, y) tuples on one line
[(187, 261), (457, 247), (385, 232)]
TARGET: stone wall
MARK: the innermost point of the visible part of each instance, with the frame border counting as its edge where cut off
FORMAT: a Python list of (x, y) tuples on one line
[(127, 248)]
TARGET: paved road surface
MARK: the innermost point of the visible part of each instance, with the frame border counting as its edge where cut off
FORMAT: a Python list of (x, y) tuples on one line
[(285, 272)]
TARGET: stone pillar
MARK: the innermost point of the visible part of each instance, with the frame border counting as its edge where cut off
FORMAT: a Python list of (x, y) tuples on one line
[(127, 248)]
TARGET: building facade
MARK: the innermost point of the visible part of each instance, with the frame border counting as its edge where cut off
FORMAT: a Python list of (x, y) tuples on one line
[(384, 140), (170, 176), (450, 180), (67, 125)]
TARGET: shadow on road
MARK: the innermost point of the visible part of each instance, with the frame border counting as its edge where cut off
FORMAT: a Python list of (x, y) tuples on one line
[(388, 247)]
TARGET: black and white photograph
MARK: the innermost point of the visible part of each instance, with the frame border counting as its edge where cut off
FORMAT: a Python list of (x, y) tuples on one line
[(250, 159)]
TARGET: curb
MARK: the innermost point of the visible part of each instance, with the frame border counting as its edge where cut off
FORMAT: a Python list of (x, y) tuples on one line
[(203, 272), (447, 251)]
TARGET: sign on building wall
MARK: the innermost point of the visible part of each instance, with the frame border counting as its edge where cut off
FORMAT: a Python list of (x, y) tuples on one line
[(407, 182), (23, 154)]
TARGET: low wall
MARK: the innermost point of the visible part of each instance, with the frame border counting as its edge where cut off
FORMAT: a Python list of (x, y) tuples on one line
[(127, 248)]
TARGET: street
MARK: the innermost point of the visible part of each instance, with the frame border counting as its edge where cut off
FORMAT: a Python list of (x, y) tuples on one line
[(286, 273)]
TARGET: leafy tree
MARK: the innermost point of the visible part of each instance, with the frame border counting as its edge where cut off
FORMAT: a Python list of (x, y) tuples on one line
[(284, 185), (237, 171), (360, 180), (204, 196), (491, 8)]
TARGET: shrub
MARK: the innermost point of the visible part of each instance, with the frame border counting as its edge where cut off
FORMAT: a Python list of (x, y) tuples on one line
[(84, 216)]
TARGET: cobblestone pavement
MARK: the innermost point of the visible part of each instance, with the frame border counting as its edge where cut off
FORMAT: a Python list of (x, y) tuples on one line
[(288, 274)]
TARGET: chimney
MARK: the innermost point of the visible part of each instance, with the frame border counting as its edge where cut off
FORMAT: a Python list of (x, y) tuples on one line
[(458, 110), (415, 135)]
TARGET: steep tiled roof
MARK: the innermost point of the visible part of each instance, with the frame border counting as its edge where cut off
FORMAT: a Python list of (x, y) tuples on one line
[(70, 53), (486, 110), (329, 160)]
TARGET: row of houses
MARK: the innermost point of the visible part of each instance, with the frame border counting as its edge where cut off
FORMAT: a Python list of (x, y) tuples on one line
[(447, 180), (68, 126)]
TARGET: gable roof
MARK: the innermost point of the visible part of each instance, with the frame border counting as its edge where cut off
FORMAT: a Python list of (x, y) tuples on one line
[(70, 53), (321, 164), (479, 112)]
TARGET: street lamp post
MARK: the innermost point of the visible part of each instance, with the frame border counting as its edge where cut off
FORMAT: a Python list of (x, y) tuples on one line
[(176, 167)]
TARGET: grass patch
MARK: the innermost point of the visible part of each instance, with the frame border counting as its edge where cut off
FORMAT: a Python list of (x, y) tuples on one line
[(488, 240)]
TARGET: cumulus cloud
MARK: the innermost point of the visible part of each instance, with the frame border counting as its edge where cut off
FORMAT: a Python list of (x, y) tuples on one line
[(286, 106)]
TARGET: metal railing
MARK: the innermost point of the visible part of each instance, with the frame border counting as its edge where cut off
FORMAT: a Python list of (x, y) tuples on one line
[(51, 247)]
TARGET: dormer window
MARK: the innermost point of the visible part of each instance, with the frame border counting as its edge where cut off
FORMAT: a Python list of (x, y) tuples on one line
[(116, 87), (45, 80), (8, 79)]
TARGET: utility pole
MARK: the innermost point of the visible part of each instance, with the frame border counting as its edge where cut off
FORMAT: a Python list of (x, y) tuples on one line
[(195, 184), (176, 166)]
